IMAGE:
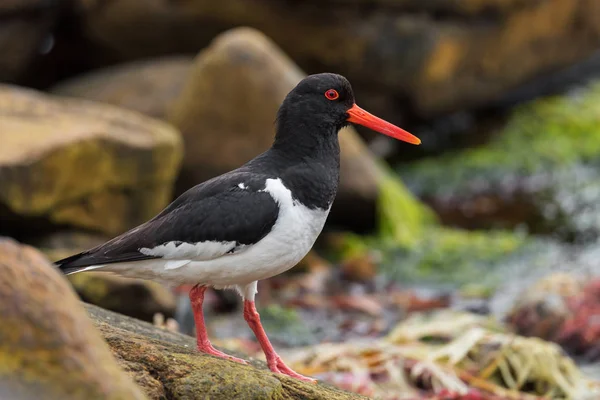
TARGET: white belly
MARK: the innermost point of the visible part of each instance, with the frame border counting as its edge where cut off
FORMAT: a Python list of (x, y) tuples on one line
[(292, 236)]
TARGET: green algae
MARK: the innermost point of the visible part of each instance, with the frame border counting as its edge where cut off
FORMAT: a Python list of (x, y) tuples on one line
[(401, 216), (441, 255), (547, 134), (539, 172), (411, 245)]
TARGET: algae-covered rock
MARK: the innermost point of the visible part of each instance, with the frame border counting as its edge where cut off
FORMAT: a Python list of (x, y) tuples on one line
[(148, 86), (48, 347), (133, 297), (227, 111), (66, 162), (167, 365), (540, 171)]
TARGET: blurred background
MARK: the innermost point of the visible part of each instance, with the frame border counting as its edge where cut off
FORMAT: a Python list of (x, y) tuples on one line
[(439, 253)]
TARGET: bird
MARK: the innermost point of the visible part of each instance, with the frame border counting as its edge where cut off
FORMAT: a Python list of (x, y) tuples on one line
[(251, 223)]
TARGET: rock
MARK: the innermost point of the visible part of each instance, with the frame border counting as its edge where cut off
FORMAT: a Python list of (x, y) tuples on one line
[(438, 56), (48, 347), (73, 163), (137, 298), (562, 308), (149, 86), (226, 114), (540, 171), (542, 308), (26, 24), (133, 297), (167, 365), (65, 243)]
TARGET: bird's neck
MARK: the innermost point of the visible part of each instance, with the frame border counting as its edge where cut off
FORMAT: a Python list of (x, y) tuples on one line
[(308, 140)]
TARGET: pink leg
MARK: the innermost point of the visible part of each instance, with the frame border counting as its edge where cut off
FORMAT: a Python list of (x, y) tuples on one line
[(204, 345), (273, 360)]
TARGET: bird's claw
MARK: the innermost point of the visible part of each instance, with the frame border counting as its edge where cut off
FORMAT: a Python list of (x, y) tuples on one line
[(218, 353), (278, 366)]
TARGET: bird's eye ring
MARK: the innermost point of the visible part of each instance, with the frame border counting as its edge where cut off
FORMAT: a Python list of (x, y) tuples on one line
[(332, 94)]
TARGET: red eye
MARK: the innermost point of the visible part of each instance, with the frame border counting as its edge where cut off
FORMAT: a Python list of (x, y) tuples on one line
[(332, 94)]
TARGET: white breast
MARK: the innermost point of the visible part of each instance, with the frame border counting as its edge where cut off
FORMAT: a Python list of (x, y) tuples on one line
[(291, 237)]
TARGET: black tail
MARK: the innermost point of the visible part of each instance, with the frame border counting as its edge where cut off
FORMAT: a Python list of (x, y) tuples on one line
[(71, 264), (93, 257)]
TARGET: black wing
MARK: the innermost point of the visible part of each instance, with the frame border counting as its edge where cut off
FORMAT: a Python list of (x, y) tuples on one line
[(229, 208)]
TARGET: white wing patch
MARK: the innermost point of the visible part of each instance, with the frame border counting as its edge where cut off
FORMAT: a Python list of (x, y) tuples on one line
[(200, 251), (242, 186)]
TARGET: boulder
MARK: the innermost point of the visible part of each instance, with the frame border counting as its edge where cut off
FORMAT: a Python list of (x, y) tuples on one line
[(48, 347), (26, 25), (137, 298), (167, 365), (65, 243), (226, 114), (148, 86), (539, 171), (74, 163), (438, 56)]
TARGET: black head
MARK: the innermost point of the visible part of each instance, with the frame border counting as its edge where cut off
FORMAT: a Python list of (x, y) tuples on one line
[(324, 98), (322, 104)]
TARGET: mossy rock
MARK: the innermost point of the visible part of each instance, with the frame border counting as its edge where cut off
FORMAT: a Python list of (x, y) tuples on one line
[(136, 298), (167, 365), (540, 171), (74, 163)]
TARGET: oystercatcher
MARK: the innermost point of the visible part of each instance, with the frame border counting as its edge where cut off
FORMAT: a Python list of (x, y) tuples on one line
[(251, 223)]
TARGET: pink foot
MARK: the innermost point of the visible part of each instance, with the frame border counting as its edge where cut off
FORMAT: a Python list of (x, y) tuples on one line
[(208, 349), (204, 345), (275, 362), (278, 366)]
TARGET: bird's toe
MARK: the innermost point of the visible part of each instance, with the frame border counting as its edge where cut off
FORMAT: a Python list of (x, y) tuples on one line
[(278, 366)]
